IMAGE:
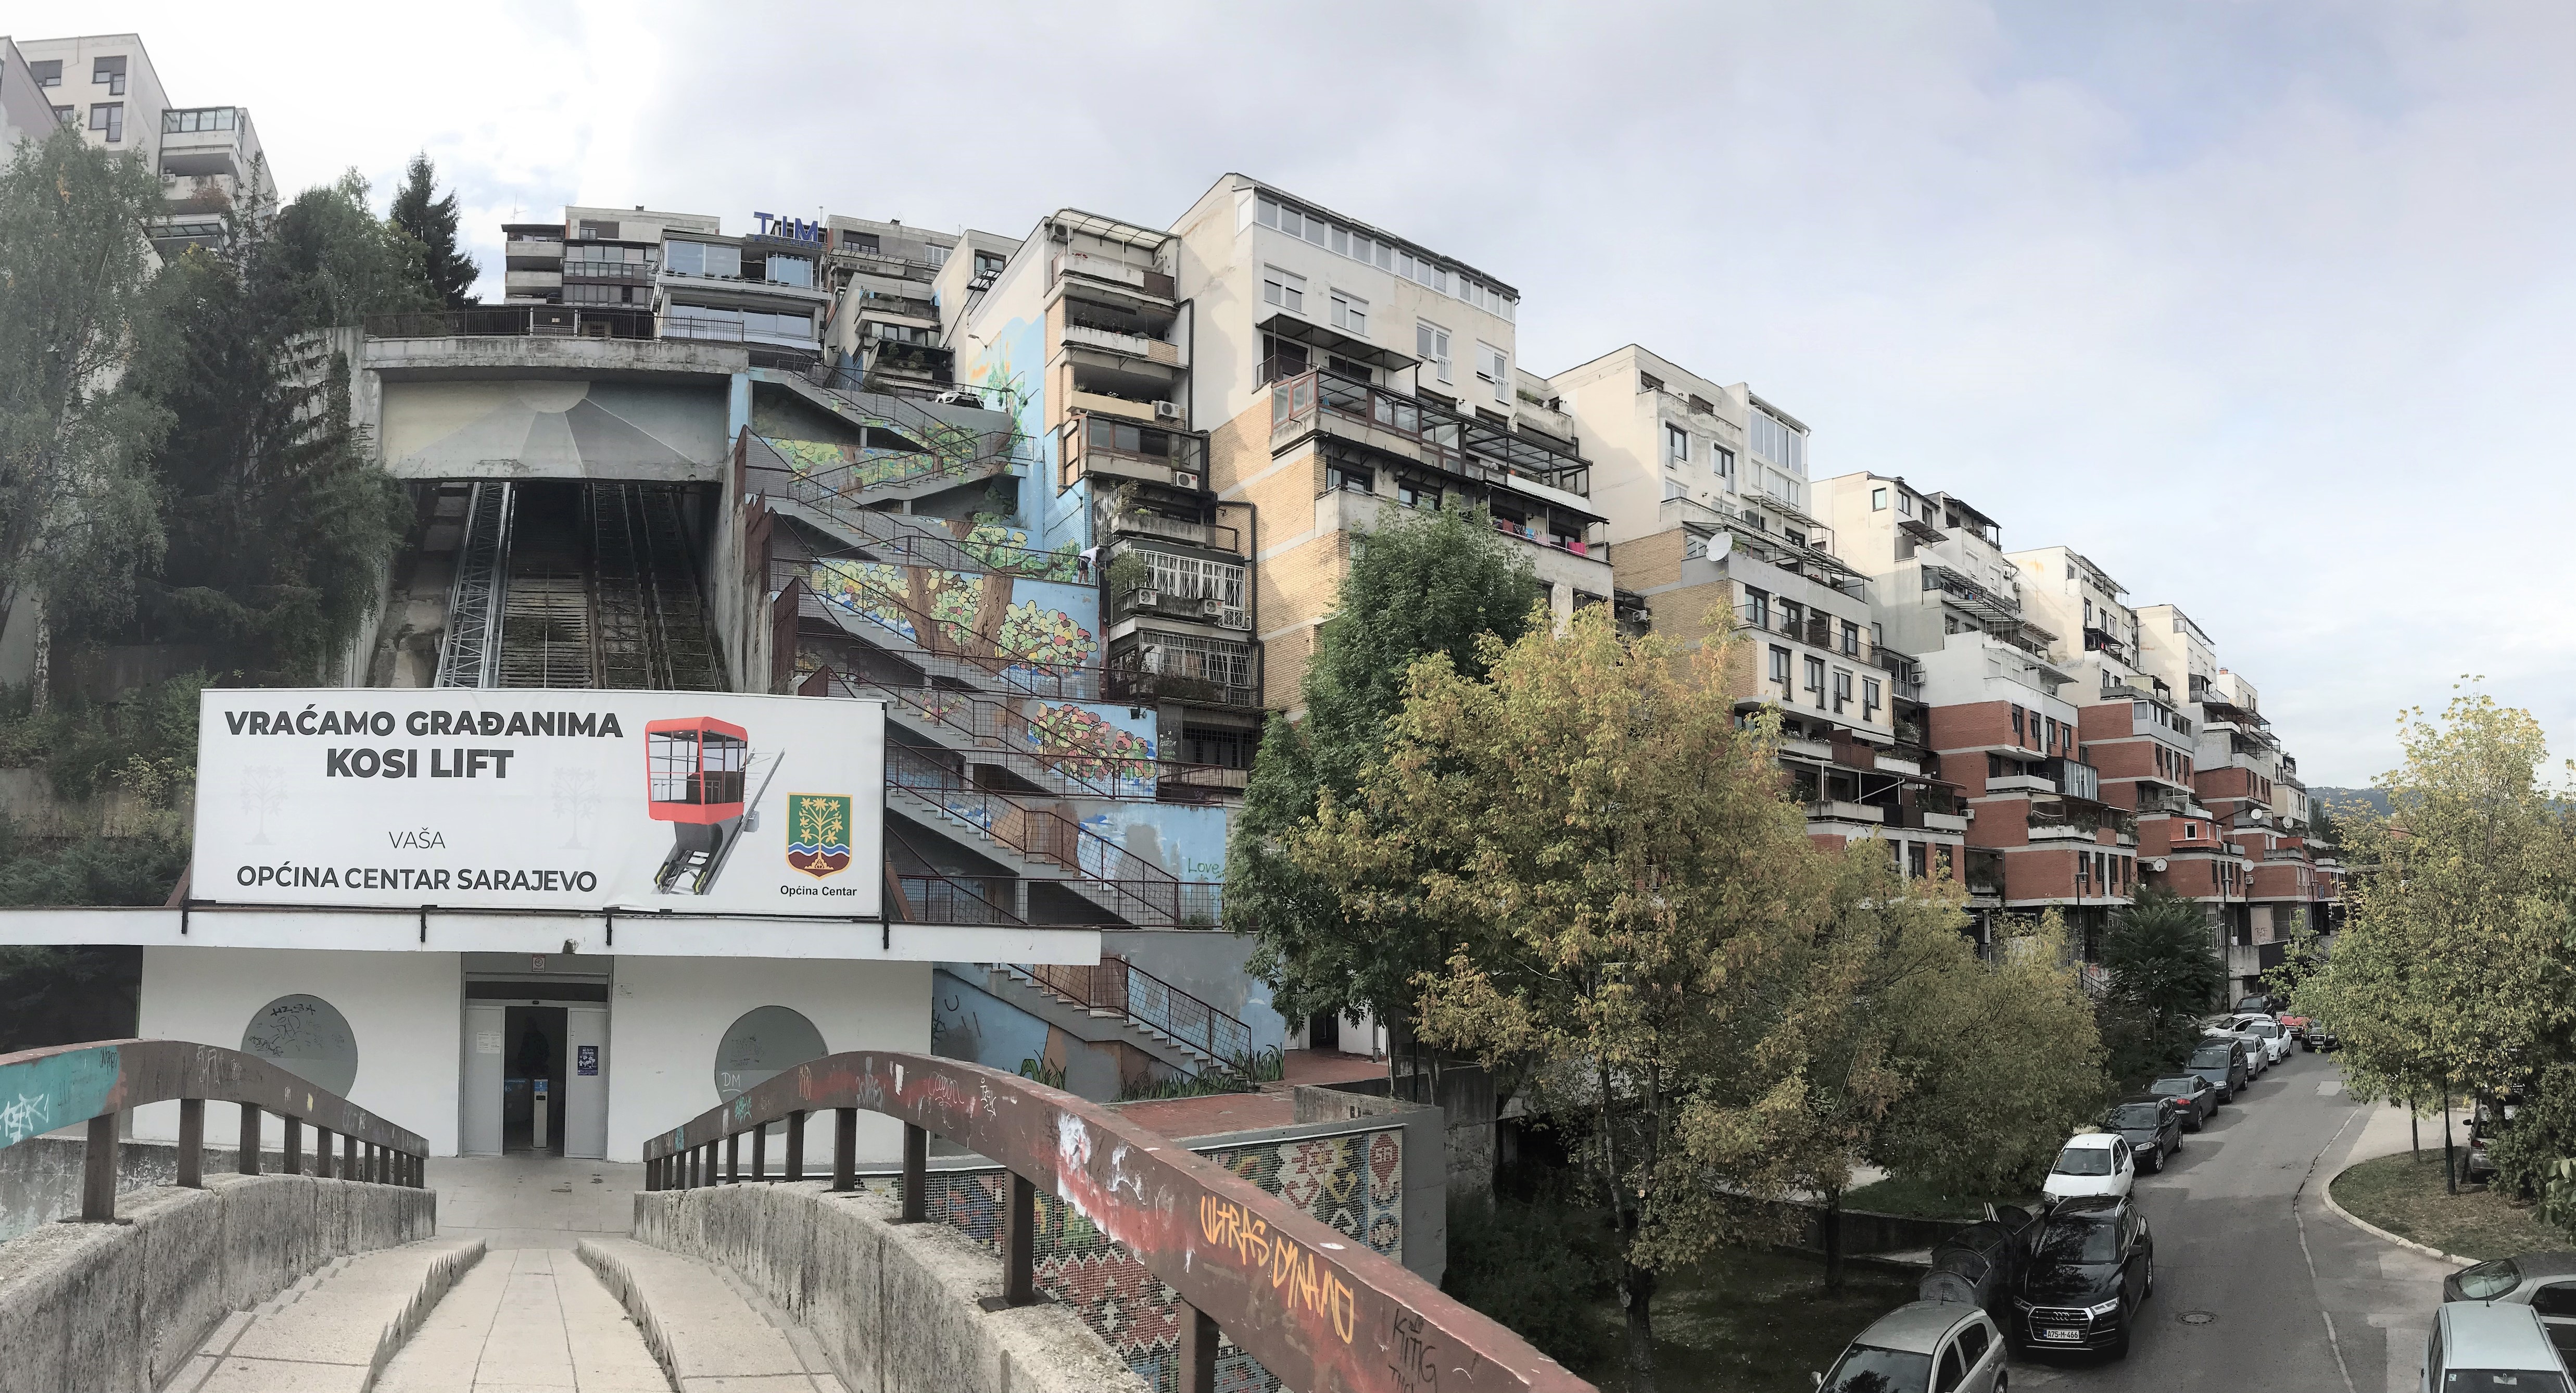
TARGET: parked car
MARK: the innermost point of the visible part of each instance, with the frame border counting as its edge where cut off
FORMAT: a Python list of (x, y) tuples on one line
[(2313, 1033), (2093, 1163), (2094, 1264), (1920, 1346), (2489, 1119), (2152, 1126), (2278, 1043), (2546, 1282), (2258, 1001), (2477, 1346), (1983, 1263), (2192, 1096), (2257, 1058), (2221, 1060)]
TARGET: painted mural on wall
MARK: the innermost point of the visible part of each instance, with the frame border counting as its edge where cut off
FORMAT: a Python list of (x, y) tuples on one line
[(1043, 629), (826, 470), (1353, 1182), (1106, 748), (1014, 361), (1186, 839), (1006, 548)]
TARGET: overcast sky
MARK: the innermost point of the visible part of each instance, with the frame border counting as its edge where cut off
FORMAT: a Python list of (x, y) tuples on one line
[(2261, 307)]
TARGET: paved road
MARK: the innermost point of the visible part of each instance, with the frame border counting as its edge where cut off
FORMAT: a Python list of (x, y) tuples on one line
[(2301, 1301)]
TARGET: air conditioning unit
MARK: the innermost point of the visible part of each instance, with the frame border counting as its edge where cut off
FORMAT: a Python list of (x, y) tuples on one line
[(1167, 411), (1146, 599), (1212, 608), (1187, 481)]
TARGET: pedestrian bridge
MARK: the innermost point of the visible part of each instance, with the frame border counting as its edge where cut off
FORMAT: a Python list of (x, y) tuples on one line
[(322, 1267)]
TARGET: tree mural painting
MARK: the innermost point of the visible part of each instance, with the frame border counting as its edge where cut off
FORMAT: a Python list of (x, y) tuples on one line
[(868, 588), (1049, 641), (1087, 746), (1007, 549)]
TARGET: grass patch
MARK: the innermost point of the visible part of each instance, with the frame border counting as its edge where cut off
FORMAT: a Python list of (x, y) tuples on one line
[(2404, 1194), (1916, 1200), (1745, 1322)]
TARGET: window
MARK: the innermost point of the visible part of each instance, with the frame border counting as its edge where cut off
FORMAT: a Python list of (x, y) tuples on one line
[(1495, 366), (1851, 638), (48, 73), (1676, 445), (1350, 313), (1413, 493), (1816, 679), (598, 231), (1285, 289), (1725, 462), (1947, 1381), (862, 242), (204, 118), (1878, 500), (112, 72), (701, 259), (789, 270), (1431, 344), (1780, 665), (1972, 1343), (1842, 690), (63, 114), (1351, 477), (934, 254), (1869, 697), (1904, 503), (1777, 442), (988, 264), (1700, 405), (2017, 726), (1648, 382), (108, 118), (1757, 608)]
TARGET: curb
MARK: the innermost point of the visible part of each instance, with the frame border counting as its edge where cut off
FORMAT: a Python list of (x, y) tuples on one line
[(2326, 1192)]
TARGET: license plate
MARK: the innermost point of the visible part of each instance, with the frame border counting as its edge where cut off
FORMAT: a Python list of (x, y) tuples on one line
[(2061, 1334)]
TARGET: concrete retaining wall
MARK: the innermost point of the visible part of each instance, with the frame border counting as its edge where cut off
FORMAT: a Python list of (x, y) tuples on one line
[(895, 1306), (117, 1308), (40, 1178)]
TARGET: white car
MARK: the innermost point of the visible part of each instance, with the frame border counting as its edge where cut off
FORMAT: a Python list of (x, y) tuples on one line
[(2277, 1040), (2093, 1163), (2258, 1054)]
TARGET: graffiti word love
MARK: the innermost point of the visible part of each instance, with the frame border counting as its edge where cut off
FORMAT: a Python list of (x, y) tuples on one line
[(1294, 1270)]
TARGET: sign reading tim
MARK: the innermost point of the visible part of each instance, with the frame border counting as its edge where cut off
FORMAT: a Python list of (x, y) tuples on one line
[(470, 798)]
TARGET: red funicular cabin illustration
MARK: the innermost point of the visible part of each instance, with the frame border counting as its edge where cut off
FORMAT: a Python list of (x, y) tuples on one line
[(694, 775)]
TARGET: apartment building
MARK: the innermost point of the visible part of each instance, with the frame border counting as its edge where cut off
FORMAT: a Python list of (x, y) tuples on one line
[(1705, 538), (2003, 705), (640, 273), (208, 157), (1343, 372), (883, 328)]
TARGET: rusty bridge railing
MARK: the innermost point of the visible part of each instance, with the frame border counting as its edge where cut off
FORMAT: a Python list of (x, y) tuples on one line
[(66, 1085), (1316, 1307)]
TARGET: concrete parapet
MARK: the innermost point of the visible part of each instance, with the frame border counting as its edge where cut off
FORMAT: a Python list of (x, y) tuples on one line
[(119, 1307), (894, 1306)]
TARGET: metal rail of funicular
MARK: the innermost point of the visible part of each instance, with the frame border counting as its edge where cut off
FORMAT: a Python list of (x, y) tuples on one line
[(679, 612), (619, 626), (474, 600), (651, 622)]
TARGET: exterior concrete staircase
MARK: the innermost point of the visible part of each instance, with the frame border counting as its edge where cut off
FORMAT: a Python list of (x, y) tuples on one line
[(1023, 989)]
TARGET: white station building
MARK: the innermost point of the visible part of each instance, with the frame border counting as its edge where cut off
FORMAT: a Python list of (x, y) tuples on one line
[(559, 942)]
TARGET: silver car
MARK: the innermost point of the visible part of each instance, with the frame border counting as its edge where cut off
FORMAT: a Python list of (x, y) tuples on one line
[(2546, 1282), (1921, 1346), (2490, 1347)]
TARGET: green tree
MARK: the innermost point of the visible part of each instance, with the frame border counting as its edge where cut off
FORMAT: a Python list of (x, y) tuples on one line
[(2454, 970), (77, 507), (1427, 583), (1606, 859), (279, 525), (431, 221), (2165, 970)]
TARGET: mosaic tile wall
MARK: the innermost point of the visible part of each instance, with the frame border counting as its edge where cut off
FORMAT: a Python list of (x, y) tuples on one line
[(1353, 1182)]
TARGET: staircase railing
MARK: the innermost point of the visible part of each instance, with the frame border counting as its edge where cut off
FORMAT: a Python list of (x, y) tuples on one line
[(95, 1083), (1311, 1305), (1116, 984), (896, 540), (1135, 888)]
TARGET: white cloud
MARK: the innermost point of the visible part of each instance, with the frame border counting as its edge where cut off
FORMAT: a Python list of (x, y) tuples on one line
[(2259, 308)]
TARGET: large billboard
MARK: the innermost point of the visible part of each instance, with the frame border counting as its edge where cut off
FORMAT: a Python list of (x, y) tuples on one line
[(474, 798)]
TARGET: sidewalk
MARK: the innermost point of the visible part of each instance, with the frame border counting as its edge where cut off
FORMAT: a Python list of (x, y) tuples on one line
[(529, 1201), (526, 1320)]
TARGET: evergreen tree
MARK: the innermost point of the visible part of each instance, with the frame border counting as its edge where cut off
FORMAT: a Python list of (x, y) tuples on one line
[(431, 221), (1422, 584), (77, 516), (279, 524)]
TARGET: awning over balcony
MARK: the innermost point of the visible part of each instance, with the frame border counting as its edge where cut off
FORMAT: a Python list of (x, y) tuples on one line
[(1282, 324)]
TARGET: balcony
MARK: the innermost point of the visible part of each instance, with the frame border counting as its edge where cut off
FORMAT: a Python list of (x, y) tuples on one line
[(1975, 598), (1118, 449), (916, 360), (1792, 553), (1197, 534), (1170, 586), (1152, 350), (1823, 631), (1837, 810), (543, 321), (520, 253), (206, 141), (879, 264), (1142, 279), (1175, 667), (1403, 426), (872, 305), (2019, 783)]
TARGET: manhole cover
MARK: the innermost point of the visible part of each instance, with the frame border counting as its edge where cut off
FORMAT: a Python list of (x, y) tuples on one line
[(2197, 1317)]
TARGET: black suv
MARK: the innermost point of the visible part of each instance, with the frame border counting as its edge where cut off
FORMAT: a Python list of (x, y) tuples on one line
[(2152, 1124), (2094, 1263)]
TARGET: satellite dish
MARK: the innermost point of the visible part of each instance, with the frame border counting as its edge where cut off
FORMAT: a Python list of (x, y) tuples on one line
[(2157, 864)]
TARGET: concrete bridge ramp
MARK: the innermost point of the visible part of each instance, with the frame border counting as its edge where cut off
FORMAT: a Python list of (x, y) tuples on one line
[(335, 1328)]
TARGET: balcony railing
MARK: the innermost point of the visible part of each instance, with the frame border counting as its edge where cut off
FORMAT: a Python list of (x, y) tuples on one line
[(1101, 268), (1975, 597), (1123, 449), (1133, 345), (1468, 446), (1199, 534), (1810, 628), (909, 306), (1240, 687), (533, 321)]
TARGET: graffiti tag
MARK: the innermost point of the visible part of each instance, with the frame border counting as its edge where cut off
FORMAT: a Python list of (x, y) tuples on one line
[(1294, 1270), (1415, 1364), (31, 1114)]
